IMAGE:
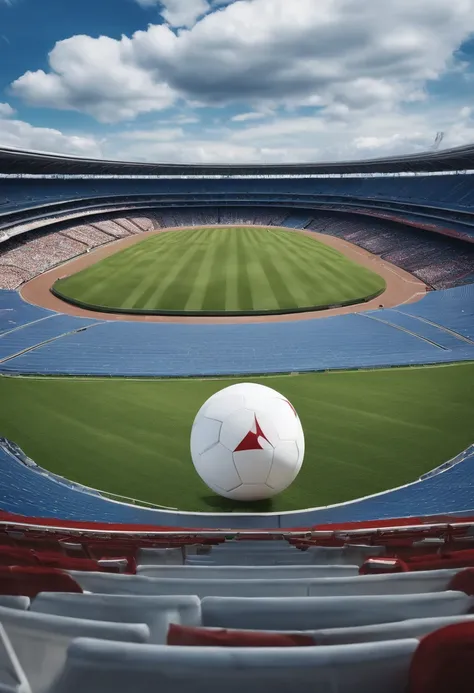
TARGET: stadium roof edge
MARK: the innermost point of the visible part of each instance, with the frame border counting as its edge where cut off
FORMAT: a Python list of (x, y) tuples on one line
[(15, 161)]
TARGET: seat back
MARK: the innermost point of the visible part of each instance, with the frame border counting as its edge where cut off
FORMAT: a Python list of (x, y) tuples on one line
[(156, 612), (348, 554), (29, 581), (252, 572), (137, 584), (96, 667), (396, 583), (246, 559), (22, 603), (313, 613), (40, 641), (411, 628)]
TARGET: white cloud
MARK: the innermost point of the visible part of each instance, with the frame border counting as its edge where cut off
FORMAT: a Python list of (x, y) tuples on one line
[(301, 139), (18, 134), (344, 55), (179, 13), (155, 135), (95, 76), (244, 117), (289, 139), (6, 110), (466, 112)]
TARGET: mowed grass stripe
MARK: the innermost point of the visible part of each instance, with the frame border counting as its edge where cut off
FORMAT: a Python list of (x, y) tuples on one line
[(330, 276), (216, 285), (231, 272), (193, 276), (200, 278), (153, 275), (299, 280), (275, 267), (263, 293), (307, 280), (243, 284), (186, 257), (222, 269)]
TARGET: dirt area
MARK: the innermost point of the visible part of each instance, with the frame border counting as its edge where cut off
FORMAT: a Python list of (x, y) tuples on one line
[(402, 287)]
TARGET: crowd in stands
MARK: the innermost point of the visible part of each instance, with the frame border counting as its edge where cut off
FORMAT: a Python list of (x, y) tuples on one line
[(440, 261), (25, 256), (105, 610)]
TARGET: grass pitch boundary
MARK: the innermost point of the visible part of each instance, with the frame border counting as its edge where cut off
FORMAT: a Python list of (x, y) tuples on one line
[(209, 313), (222, 272), (401, 287)]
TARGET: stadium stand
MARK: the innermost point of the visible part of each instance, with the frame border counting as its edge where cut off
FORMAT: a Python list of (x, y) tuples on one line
[(25, 256), (440, 261), (54, 344), (437, 260), (31, 491), (131, 632), (444, 191)]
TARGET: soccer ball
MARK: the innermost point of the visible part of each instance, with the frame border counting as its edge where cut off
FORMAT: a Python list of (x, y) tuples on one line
[(247, 442)]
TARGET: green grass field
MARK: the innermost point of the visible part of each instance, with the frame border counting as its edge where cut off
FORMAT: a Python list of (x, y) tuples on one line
[(365, 432), (222, 270)]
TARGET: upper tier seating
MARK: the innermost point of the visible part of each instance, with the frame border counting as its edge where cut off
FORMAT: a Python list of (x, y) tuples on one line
[(454, 191)]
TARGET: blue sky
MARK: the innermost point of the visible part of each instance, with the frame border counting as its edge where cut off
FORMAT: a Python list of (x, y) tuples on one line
[(236, 80)]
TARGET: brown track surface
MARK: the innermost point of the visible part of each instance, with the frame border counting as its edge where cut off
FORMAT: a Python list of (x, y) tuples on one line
[(402, 287)]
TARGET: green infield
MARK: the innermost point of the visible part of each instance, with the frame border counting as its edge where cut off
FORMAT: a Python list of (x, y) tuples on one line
[(365, 432), (219, 271)]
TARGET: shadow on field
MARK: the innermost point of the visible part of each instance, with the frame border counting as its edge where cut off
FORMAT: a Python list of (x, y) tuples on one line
[(225, 505)]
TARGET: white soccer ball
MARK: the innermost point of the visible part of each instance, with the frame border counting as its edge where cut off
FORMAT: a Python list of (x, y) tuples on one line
[(247, 442)]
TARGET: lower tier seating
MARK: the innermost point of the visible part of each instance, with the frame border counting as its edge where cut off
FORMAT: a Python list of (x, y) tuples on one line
[(227, 624)]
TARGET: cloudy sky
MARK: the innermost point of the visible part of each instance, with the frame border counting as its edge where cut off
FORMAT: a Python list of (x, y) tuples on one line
[(236, 80)]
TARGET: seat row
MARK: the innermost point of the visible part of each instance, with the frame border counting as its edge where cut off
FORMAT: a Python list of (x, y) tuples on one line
[(169, 625), (125, 640)]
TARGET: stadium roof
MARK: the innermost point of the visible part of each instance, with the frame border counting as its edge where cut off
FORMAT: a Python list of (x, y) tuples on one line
[(17, 161)]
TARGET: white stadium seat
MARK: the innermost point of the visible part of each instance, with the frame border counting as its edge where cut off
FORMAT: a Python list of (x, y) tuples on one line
[(98, 667), (156, 612), (108, 583), (312, 613), (349, 554), (395, 583), (40, 641), (22, 603), (248, 571), (411, 628), (246, 559)]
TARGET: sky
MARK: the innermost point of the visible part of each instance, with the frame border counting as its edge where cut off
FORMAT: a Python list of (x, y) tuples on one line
[(236, 81)]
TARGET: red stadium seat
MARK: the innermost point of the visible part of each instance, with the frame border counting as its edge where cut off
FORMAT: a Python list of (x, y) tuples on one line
[(11, 555), (29, 581), (443, 661)]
